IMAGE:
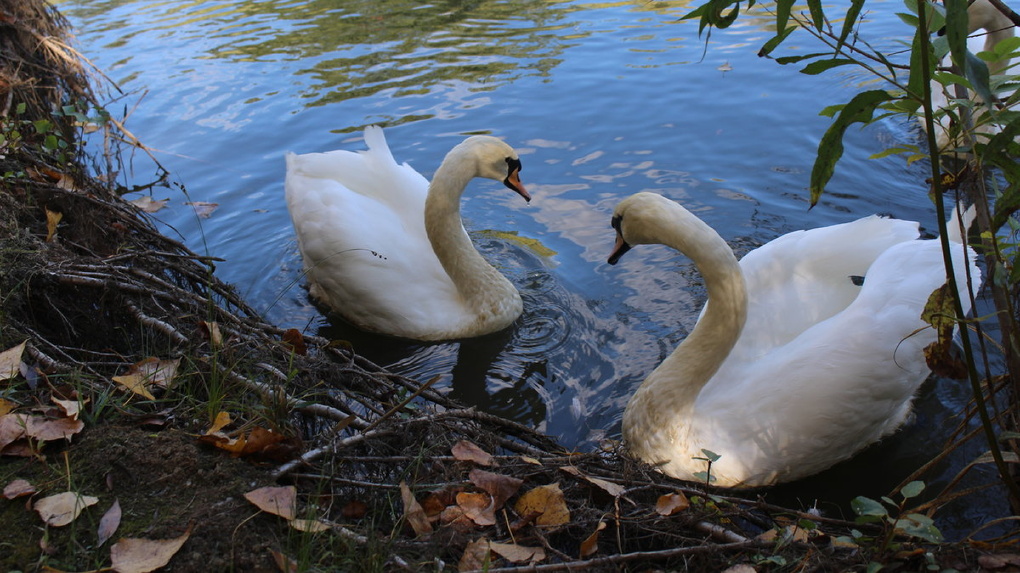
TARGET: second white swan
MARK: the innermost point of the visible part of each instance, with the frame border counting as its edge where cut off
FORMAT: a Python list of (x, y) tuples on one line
[(791, 367)]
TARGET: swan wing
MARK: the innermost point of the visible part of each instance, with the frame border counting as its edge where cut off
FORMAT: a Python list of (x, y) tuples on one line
[(804, 277), (359, 220)]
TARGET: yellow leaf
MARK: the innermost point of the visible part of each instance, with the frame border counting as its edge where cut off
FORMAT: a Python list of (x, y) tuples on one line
[(546, 501), (52, 220), (280, 501), (10, 361), (60, 509), (511, 236), (222, 420), (6, 406), (136, 383), (309, 525), (145, 555)]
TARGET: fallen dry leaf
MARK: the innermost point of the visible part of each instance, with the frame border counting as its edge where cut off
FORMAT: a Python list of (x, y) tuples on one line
[(52, 220), (466, 451), (500, 487), (222, 420), (475, 557), (413, 512), (672, 503), (202, 208), (309, 525), (60, 509), (280, 500), (145, 555), (615, 490), (740, 568), (18, 488), (109, 523), (478, 507), (211, 330), (148, 204), (6, 406), (453, 516), (148, 373), (292, 337), (518, 553), (71, 408), (16, 426), (547, 501), (354, 509), (10, 361), (283, 563), (591, 544)]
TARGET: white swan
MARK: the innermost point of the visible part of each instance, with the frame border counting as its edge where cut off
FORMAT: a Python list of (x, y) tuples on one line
[(791, 367), (387, 250), (981, 15)]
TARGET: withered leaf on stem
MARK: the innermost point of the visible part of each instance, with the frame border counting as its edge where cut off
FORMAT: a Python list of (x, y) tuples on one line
[(591, 544)]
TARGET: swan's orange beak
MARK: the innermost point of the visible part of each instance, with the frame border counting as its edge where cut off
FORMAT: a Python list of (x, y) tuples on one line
[(619, 249), (513, 181)]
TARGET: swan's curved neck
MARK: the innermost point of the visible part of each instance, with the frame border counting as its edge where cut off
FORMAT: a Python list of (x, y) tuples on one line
[(983, 15), (476, 280), (676, 383)]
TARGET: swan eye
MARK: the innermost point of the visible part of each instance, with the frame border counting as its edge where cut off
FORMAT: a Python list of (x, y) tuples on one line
[(513, 165), (617, 221)]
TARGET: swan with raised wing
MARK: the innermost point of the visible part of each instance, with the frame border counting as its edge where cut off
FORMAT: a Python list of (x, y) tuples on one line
[(791, 367), (386, 249)]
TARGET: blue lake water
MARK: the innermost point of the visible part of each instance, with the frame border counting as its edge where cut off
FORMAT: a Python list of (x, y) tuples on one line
[(601, 99)]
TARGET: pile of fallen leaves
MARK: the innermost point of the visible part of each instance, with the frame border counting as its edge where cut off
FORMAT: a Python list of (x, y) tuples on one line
[(144, 404)]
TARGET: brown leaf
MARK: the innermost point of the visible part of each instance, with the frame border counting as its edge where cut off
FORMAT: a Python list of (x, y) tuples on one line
[(435, 502), (145, 555), (518, 553), (16, 426), (280, 501), (354, 509), (71, 408), (292, 338), (10, 361), (109, 523), (548, 502), (500, 487), (202, 208), (283, 563), (18, 488), (211, 331), (6, 406), (475, 557), (591, 544), (466, 451), (615, 490), (52, 220), (148, 204), (453, 516), (478, 507), (413, 512), (60, 509), (672, 503)]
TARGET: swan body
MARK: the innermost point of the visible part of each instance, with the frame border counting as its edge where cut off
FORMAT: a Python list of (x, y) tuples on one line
[(791, 367), (981, 15), (387, 250)]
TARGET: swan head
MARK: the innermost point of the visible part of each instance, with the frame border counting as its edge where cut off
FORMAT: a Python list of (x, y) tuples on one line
[(494, 159), (638, 220)]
